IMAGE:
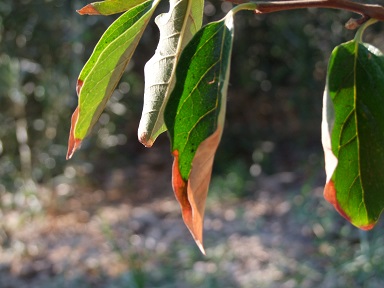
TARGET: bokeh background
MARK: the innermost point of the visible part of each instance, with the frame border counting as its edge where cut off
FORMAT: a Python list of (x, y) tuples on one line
[(108, 218)]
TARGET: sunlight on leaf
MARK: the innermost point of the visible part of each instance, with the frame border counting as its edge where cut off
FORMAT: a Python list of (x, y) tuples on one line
[(177, 28), (195, 117), (353, 133), (104, 68)]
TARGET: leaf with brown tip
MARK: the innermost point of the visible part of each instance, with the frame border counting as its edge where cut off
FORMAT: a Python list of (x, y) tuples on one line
[(192, 194), (352, 133), (109, 7), (73, 143), (194, 116), (103, 70)]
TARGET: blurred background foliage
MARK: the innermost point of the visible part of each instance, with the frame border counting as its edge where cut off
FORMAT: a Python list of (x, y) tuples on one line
[(43, 47), (273, 120), (275, 91), (274, 112)]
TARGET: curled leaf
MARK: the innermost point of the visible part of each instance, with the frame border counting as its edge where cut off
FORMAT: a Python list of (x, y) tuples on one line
[(353, 133), (177, 28), (192, 194)]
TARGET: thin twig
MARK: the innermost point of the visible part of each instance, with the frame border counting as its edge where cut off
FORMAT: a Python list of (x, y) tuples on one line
[(365, 10)]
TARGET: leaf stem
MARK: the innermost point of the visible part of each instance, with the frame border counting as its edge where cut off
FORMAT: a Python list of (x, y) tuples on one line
[(360, 32), (245, 6)]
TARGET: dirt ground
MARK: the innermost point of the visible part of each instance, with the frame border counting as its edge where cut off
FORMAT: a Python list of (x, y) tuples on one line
[(282, 234)]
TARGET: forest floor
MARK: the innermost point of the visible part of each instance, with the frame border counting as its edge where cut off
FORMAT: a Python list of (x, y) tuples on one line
[(281, 234)]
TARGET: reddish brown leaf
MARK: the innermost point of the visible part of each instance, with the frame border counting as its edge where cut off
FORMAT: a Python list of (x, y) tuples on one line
[(368, 227), (73, 143), (79, 84), (181, 192), (192, 194), (88, 10)]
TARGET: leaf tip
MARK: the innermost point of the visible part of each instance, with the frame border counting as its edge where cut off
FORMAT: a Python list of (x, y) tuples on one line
[(88, 10), (73, 143), (201, 247), (367, 227), (330, 196), (192, 217), (145, 139)]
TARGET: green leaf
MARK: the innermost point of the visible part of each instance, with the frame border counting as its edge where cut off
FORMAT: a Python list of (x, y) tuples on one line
[(109, 7), (104, 68), (177, 28), (195, 115), (353, 133)]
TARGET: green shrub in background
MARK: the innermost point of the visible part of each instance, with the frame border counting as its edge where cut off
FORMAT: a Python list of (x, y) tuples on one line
[(42, 50)]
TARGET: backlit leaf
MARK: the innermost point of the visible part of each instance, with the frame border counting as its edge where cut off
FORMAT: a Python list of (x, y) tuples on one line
[(353, 133), (104, 68), (177, 28), (109, 7), (195, 115)]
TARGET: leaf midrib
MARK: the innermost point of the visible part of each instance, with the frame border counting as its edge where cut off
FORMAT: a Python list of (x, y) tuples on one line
[(357, 43), (200, 80)]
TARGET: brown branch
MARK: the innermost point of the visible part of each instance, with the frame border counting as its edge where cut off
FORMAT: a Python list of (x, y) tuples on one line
[(366, 10)]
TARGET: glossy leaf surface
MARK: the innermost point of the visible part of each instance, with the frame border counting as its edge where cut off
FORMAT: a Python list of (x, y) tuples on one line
[(195, 115), (353, 133), (177, 28)]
